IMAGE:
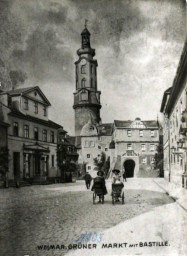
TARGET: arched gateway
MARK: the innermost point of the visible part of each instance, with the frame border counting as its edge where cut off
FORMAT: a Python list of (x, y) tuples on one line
[(129, 166)]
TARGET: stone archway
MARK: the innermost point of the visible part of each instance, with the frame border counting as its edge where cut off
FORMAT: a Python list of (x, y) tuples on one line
[(129, 166)]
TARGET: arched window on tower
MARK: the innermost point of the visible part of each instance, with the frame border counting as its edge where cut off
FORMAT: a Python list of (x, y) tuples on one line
[(84, 95), (83, 69), (83, 83), (91, 83), (91, 69)]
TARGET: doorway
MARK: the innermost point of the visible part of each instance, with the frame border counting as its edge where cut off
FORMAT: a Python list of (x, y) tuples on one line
[(16, 161), (129, 166)]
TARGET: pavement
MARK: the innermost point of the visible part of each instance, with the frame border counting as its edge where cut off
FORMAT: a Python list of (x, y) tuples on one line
[(51, 220), (178, 193)]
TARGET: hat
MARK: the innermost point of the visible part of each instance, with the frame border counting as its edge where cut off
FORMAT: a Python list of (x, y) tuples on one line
[(100, 173), (116, 170)]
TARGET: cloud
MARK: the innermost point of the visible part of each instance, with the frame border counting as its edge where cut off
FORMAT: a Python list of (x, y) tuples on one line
[(138, 45)]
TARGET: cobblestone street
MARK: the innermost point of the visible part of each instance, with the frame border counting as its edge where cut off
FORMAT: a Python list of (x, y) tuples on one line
[(59, 214)]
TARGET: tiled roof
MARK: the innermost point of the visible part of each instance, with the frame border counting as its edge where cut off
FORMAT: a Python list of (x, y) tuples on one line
[(119, 123), (105, 129), (126, 124), (48, 123)]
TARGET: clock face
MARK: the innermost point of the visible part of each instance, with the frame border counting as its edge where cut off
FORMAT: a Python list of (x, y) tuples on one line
[(83, 62)]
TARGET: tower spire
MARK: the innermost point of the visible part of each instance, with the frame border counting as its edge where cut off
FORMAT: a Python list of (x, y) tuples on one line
[(85, 24)]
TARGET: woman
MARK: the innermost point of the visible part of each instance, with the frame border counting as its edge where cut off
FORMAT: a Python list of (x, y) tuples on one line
[(100, 179)]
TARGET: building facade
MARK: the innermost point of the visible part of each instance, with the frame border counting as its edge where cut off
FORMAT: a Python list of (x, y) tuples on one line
[(94, 141), (174, 109), (130, 145), (134, 145), (32, 137)]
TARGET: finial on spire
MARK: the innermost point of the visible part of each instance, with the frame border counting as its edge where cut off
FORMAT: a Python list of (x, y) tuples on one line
[(85, 24)]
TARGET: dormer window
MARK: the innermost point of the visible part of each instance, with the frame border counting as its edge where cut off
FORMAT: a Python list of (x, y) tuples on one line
[(36, 108), (83, 69), (26, 104)]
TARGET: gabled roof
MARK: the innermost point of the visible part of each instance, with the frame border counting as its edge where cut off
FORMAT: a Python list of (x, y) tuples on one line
[(24, 91), (105, 129), (127, 124), (47, 123)]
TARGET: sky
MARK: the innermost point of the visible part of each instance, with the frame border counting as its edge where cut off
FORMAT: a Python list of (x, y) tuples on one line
[(138, 46)]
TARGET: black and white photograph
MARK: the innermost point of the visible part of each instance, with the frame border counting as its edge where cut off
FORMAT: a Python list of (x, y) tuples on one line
[(93, 127)]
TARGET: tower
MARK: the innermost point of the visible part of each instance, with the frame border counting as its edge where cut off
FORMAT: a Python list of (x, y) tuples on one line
[(86, 97)]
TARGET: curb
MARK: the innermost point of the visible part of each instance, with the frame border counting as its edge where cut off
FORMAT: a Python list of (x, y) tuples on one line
[(167, 193)]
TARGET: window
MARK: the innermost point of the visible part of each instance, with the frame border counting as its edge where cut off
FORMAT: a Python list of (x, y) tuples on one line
[(129, 146), (106, 149), (152, 147), (26, 131), (88, 155), (143, 147), (152, 160), (92, 144), (91, 83), (177, 118), (35, 133), (91, 69), (45, 111), (99, 147), (26, 104), (15, 129), (89, 167), (144, 160), (152, 133), (141, 133), (9, 101), (83, 69), (181, 107), (36, 108), (52, 137), (83, 83), (84, 96), (129, 133), (44, 135), (53, 160), (86, 144)]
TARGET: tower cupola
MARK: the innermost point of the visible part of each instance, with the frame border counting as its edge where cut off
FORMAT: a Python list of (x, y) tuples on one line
[(85, 38)]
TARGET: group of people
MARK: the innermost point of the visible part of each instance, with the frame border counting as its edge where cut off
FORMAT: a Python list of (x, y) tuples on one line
[(116, 179)]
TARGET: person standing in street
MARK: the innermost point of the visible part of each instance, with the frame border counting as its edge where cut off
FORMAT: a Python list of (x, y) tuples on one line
[(124, 176), (87, 179)]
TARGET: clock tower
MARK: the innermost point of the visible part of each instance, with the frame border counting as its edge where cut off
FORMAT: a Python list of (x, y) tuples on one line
[(86, 97)]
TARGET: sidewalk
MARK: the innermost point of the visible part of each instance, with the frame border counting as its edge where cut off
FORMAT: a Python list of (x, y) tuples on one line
[(162, 224), (179, 194)]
